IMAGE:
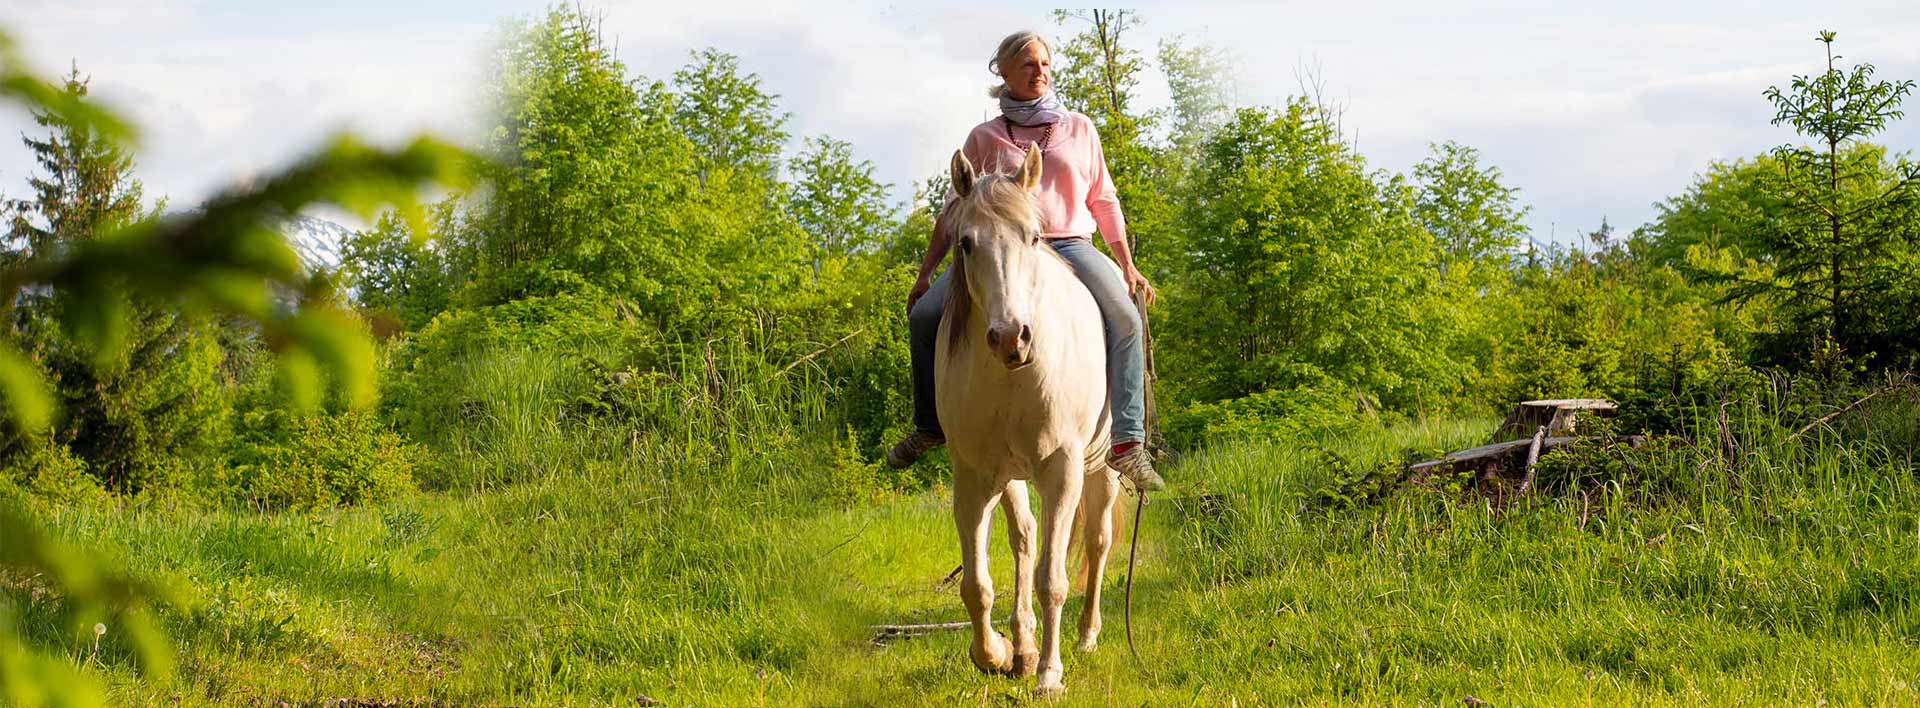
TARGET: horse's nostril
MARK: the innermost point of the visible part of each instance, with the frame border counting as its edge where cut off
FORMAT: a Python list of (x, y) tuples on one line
[(1026, 334), (993, 338)]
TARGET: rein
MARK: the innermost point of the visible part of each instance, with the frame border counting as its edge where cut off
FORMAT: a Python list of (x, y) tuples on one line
[(1139, 496)]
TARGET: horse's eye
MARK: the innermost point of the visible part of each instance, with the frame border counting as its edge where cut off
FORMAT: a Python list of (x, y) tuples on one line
[(966, 245)]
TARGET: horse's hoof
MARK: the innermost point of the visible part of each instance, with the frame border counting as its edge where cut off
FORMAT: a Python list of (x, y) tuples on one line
[(1026, 664), (1048, 692), (1089, 639), (995, 657)]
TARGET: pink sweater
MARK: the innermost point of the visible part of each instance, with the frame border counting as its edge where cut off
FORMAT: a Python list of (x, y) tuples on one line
[(1075, 193)]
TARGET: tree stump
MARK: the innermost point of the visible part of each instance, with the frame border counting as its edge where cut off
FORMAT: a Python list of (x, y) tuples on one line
[(1559, 415)]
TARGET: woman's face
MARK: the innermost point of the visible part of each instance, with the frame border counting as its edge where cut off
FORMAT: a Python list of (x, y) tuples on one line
[(1030, 74)]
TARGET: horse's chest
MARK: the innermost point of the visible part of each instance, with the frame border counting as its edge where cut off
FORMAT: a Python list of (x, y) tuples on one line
[(1014, 426)]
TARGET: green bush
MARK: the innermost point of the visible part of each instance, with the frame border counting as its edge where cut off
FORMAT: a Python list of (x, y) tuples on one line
[(47, 471), (847, 333), (1613, 328), (284, 460), (1307, 410), (430, 393)]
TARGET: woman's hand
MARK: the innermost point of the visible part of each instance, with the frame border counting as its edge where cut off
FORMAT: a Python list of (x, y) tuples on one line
[(913, 296), (1137, 285)]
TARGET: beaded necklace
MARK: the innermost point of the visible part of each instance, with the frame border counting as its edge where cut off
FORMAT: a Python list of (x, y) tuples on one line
[(1045, 135)]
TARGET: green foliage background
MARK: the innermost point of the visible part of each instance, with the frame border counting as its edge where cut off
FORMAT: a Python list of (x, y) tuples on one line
[(630, 313)]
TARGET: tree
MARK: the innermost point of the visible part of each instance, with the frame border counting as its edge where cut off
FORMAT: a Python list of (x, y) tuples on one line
[(1471, 214), (1727, 207), (836, 200), (732, 122), (1200, 84), (665, 196), (1097, 73), (399, 275), (1841, 249), (582, 177), (1302, 268), (84, 186), (135, 413)]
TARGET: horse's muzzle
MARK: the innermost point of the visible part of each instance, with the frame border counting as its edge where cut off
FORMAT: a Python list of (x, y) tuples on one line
[(1012, 344)]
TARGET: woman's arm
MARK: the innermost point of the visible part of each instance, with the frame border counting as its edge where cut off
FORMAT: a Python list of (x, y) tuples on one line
[(942, 237), (1136, 281), (1104, 203), (937, 245)]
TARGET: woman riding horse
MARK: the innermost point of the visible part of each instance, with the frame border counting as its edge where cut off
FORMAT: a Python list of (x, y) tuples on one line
[(1075, 195)]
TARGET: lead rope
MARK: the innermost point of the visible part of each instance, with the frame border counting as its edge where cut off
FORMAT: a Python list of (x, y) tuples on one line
[(1139, 496)]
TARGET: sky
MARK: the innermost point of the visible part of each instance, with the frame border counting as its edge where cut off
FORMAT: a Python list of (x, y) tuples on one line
[(1592, 110)]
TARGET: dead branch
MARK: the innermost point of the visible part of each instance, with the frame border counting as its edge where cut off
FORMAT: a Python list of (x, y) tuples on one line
[(1533, 458), (884, 633), (1903, 383), (817, 352)]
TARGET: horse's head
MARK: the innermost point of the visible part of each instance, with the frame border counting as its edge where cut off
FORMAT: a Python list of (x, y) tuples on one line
[(996, 231)]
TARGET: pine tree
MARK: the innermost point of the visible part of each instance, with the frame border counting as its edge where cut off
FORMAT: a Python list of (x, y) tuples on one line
[(84, 186), (138, 413), (1842, 247)]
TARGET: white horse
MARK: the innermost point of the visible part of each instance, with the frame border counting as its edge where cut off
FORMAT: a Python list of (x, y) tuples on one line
[(1022, 394)]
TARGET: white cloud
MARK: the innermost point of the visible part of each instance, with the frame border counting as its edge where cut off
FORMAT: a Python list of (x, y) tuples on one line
[(1591, 111)]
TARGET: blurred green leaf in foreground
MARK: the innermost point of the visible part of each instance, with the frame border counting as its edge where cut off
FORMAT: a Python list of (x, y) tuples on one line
[(227, 256)]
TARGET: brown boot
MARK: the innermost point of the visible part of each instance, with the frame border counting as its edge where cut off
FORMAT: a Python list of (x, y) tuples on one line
[(908, 451)]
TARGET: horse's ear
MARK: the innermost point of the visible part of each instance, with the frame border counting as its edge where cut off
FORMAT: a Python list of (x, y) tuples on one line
[(962, 175), (1029, 176)]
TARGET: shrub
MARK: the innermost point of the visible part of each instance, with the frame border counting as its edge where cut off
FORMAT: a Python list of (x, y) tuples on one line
[(47, 471), (1305, 410), (429, 393), (285, 460), (147, 416)]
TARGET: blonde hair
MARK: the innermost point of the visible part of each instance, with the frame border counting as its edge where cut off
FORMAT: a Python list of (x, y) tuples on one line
[(1009, 48)]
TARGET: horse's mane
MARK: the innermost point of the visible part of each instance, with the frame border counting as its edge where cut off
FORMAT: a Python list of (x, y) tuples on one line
[(995, 198)]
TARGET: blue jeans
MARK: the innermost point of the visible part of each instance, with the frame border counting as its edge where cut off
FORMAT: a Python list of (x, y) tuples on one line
[(1126, 364)]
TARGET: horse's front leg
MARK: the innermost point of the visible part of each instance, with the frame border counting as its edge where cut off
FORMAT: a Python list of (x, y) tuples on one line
[(1020, 535), (973, 500), (1096, 537), (1060, 481)]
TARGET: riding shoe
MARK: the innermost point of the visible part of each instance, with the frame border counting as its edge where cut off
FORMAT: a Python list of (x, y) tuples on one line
[(904, 453), (1137, 466)]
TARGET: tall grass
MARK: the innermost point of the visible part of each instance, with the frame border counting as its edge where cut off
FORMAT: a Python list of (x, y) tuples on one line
[(684, 534)]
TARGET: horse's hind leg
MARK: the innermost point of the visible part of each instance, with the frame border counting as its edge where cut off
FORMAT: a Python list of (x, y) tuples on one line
[(1020, 535), (1096, 518), (1060, 481), (973, 500)]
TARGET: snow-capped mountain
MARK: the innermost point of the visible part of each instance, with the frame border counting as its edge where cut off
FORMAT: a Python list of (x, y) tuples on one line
[(317, 240)]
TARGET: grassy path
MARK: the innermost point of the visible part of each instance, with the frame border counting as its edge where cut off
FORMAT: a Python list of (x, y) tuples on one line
[(697, 582)]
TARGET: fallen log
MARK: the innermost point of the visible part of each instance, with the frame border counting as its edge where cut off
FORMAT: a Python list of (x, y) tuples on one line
[(1503, 461)]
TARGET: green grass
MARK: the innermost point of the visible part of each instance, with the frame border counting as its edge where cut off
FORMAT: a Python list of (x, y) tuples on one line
[(710, 567)]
